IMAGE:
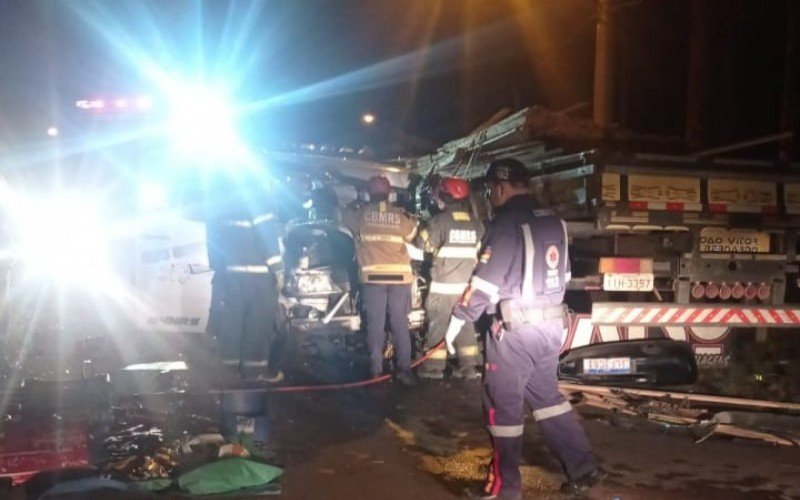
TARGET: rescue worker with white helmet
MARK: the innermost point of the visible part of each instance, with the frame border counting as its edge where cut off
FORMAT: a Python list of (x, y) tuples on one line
[(452, 236), (381, 231)]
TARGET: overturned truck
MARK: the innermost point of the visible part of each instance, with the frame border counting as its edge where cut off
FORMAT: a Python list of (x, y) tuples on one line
[(662, 245)]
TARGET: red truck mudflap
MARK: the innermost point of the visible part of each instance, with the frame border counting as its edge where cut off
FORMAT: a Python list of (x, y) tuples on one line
[(706, 327)]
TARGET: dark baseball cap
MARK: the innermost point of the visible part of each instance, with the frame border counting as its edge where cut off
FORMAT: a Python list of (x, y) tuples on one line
[(507, 169)]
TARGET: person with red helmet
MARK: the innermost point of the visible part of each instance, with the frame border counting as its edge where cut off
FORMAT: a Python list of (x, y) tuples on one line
[(452, 236), (381, 231)]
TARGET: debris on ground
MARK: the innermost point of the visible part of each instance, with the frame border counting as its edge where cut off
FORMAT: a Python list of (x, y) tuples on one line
[(768, 421)]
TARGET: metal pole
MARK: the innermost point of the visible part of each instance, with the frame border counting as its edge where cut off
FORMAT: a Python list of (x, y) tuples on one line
[(603, 86), (745, 144)]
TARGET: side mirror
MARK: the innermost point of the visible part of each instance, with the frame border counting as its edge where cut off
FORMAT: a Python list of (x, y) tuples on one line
[(649, 363)]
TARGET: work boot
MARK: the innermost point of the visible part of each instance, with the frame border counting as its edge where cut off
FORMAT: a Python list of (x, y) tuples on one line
[(482, 495), (407, 379), (581, 485)]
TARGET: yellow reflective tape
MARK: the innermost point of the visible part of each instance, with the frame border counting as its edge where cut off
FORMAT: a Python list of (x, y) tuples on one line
[(387, 268), (461, 216), (438, 354), (385, 238), (471, 350)]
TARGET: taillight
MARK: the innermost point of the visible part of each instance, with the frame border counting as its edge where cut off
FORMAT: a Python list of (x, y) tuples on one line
[(725, 291), (737, 292), (712, 291), (764, 291), (750, 291), (698, 291)]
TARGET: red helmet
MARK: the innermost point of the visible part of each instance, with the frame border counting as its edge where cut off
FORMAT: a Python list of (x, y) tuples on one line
[(379, 185), (455, 188)]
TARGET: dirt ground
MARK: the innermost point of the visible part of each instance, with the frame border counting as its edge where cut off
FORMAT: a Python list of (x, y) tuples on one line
[(389, 442)]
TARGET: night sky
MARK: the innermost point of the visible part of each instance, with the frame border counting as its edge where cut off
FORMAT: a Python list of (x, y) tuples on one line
[(430, 70)]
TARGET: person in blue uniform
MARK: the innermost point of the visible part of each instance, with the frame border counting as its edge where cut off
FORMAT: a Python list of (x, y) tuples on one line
[(245, 255), (520, 280)]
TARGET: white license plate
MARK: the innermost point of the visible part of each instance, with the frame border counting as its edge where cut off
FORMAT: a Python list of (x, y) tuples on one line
[(607, 366), (628, 282)]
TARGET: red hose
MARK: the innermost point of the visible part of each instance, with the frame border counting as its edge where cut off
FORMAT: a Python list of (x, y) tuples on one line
[(348, 385)]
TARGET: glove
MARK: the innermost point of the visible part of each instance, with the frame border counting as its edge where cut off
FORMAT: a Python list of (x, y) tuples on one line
[(453, 329)]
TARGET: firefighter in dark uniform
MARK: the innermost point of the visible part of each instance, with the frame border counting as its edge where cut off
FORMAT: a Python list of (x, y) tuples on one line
[(244, 253), (381, 231), (452, 236), (521, 278)]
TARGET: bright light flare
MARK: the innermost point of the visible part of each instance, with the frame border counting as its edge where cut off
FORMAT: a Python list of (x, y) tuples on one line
[(153, 196), (64, 238), (202, 124), (368, 118), (52, 132)]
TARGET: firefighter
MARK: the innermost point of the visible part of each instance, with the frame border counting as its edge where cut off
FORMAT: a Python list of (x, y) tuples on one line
[(381, 231), (244, 252), (453, 237), (520, 279)]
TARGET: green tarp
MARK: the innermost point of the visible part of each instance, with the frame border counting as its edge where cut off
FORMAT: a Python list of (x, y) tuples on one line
[(227, 476)]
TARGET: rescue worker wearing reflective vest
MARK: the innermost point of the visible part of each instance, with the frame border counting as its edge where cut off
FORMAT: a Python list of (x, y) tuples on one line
[(380, 232), (520, 279), (244, 252), (452, 236)]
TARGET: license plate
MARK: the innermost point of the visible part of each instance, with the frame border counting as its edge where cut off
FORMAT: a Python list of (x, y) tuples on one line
[(628, 282), (607, 366)]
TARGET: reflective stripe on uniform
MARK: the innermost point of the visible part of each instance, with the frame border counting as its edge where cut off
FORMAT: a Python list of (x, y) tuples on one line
[(238, 223), (450, 252), (447, 288), (262, 218), (438, 354), (255, 363), (568, 273), (461, 216), (490, 289), (530, 251), (506, 431), (386, 238), (552, 411), (470, 350), (248, 269), (387, 268), (415, 253), (276, 259)]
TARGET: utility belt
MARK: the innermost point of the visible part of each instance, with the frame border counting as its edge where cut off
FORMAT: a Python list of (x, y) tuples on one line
[(516, 314)]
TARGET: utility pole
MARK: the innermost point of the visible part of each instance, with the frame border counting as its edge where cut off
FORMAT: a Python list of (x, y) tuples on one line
[(603, 65)]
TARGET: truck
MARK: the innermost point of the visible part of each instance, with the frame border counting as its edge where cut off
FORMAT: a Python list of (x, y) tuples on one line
[(666, 245)]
